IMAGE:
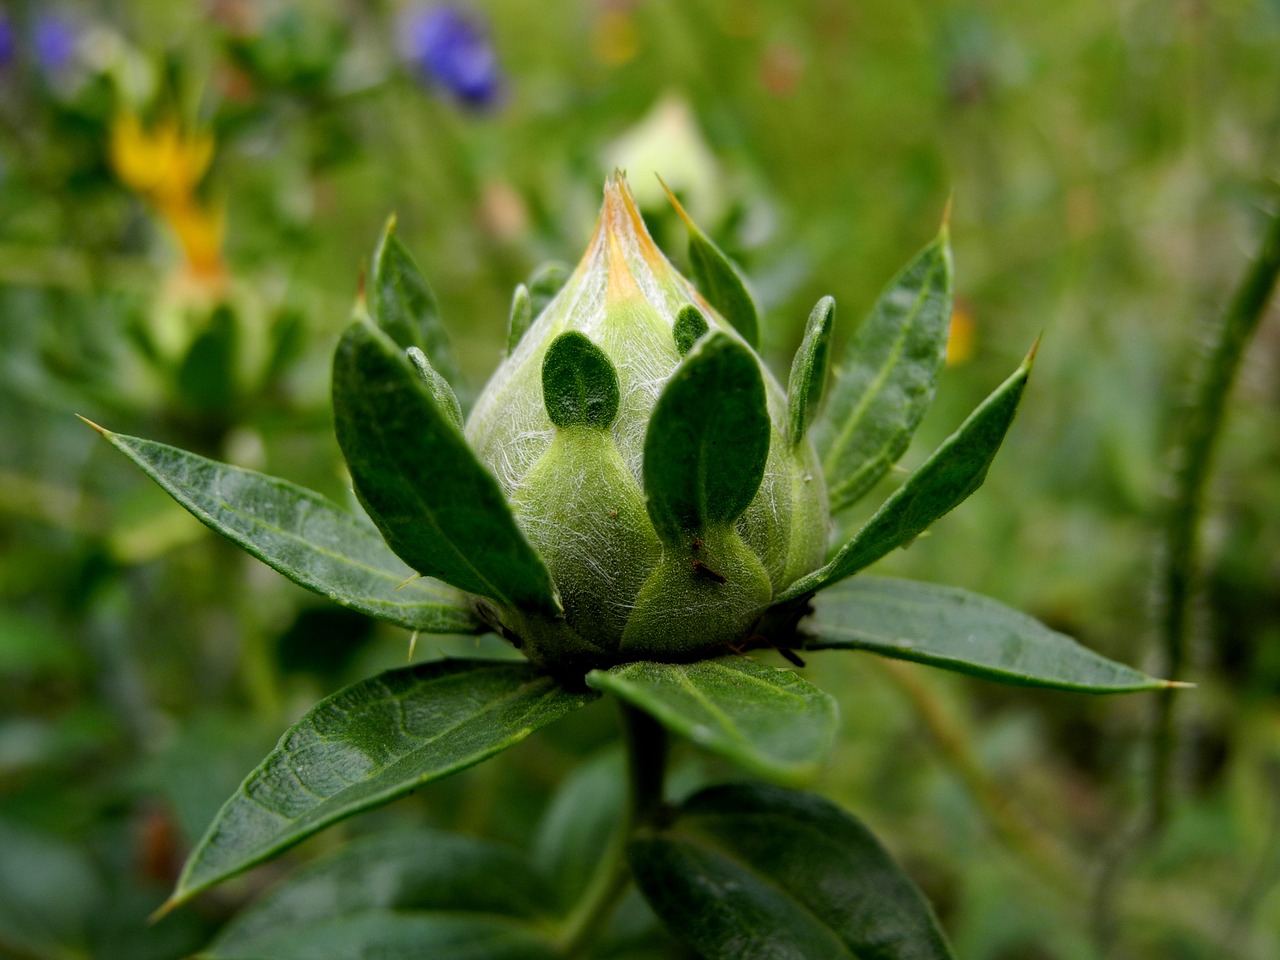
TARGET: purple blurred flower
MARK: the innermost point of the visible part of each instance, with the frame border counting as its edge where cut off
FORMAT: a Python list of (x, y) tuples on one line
[(451, 50), (54, 42), (6, 42)]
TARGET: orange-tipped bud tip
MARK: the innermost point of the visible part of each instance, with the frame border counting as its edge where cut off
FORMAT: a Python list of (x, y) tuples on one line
[(163, 911), (1030, 360), (676, 204), (390, 228), (102, 430), (1179, 685), (946, 214)]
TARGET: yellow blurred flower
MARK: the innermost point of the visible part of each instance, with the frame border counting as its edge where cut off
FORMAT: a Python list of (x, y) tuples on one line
[(164, 165), (962, 334)]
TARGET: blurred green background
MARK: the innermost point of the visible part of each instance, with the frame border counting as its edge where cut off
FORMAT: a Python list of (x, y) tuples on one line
[(189, 193)]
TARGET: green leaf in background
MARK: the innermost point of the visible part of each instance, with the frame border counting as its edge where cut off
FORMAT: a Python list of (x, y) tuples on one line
[(719, 280), (368, 744), (301, 535), (404, 307), (690, 327), (885, 381), (586, 817), (752, 872), (954, 471), (440, 509), (957, 630), (402, 874), (809, 370), (207, 375), (521, 316), (49, 890), (440, 389), (579, 384), (392, 935), (545, 282), (773, 722), (707, 440)]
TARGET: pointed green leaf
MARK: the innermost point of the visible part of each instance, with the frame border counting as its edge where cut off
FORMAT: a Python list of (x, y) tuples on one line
[(773, 722), (439, 508), (690, 327), (404, 307), (441, 392), (954, 471), (521, 316), (809, 370), (301, 535), (719, 280), (707, 440), (545, 282), (579, 384), (753, 872), (885, 381), (966, 632), (368, 744), (403, 873)]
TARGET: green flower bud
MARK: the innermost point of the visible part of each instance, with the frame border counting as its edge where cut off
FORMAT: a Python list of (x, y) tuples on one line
[(578, 430)]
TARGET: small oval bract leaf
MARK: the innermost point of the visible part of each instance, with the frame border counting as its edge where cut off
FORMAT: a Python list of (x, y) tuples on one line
[(809, 370), (690, 327), (545, 282), (521, 316), (957, 630), (438, 385), (368, 744), (708, 439), (579, 384)]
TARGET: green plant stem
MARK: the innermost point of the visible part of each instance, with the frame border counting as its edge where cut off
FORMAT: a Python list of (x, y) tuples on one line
[(1202, 425), (646, 742)]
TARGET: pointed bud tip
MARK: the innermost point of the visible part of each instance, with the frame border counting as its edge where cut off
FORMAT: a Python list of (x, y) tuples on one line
[(101, 430), (1030, 359), (677, 205)]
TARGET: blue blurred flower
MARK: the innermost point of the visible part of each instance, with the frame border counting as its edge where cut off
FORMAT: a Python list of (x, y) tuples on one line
[(6, 42), (452, 51), (54, 42)]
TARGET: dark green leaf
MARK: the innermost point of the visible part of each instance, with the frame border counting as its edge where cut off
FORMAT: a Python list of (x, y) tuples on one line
[(753, 872), (390, 935), (707, 440), (957, 630), (49, 890), (439, 508), (404, 307), (719, 280), (954, 471), (368, 744), (773, 722), (579, 384), (207, 374), (809, 370), (690, 327), (401, 872), (521, 316), (885, 380), (545, 282), (302, 535)]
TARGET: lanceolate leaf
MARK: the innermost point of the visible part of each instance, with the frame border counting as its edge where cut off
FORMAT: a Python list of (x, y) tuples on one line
[(521, 316), (771, 721), (439, 387), (954, 471), (809, 370), (885, 381), (302, 535), (719, 280), (404, 307), (368, 744), (440, 509), (752, 872), (401, 876), (707, 440), (579, 384), (957, 630)]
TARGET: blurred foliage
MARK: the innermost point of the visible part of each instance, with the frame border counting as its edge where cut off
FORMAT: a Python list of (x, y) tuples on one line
[(1106, 163)]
